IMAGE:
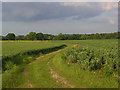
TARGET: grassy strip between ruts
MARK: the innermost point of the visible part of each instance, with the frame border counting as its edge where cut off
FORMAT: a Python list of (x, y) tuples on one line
[(81, 78), (37, 74)]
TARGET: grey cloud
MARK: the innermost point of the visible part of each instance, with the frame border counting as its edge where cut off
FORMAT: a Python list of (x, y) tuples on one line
[(36, 11)]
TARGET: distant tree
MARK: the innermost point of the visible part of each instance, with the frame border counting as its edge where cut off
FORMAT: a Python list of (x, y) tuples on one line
[(103, 36), (46, 36), (31, 36), (39, 36), (91, 36), (55, 37), (75, 37), (10, 36), (97, 36), (107, 36), (0, 37), (60, 36), (67, 37), (118, 34), (4, 38), (83, 37), (20, 37), (50, 37)]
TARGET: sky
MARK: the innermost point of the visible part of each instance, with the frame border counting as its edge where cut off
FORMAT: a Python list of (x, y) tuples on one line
[(59, 17)]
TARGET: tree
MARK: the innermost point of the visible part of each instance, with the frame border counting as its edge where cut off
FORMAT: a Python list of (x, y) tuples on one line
[(83, 37), (67, 37), (31, 36), (75, 37), (0, 37), (91, 36), (20, 37), (46, 36), (97, 36), (10, 36), (60, 37), (39, 36), (4, 38), (50, 37)]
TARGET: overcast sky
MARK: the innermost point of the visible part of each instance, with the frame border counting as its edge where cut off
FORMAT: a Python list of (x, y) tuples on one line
[(60, 17)]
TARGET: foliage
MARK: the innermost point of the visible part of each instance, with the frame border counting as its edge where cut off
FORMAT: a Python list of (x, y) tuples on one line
[(94, 59), (22, 74), (60, 37), (10, 36), (20, 37), (79, 77), (41, 36), (9, 65), (20, 56), (31, 36)]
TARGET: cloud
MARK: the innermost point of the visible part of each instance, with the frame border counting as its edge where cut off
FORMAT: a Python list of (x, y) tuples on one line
[(36, 11), (60, 0), (101, 5), (111, 21), (56, 27), (52, 17), (109, 6), (75, 4)]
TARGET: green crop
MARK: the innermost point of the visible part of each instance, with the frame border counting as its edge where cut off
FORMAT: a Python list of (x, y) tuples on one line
[(91, 59), (10, 48)]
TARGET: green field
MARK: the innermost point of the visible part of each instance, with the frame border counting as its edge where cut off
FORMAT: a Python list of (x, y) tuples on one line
[(14, 47), (10, 48), (65, 67)]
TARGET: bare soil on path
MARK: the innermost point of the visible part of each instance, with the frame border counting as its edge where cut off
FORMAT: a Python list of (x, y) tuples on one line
[(59, 79), (53, 74)]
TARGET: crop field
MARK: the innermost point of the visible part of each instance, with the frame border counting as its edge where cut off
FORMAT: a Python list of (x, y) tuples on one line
[(10, 48), (99, 44), (93, 57), (66, 64)]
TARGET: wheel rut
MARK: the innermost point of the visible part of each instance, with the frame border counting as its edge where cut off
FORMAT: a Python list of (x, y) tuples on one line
[(53, 74), (58, 78)]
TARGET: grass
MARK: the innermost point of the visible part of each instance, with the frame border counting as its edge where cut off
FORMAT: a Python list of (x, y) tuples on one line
[(81, 78), (40, 72), (10, 48), (14, 47), (15, 52), (100, 43), (37, 74)]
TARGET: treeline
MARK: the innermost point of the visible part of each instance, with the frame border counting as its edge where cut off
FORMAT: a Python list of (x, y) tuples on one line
[(41, 36)]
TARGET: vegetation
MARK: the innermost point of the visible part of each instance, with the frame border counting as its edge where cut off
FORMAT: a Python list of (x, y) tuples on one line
[(82, 78), (41, 36), (95, 55), (20, 55), (10, 36), (82, 64), (10, 48), (94, 59)]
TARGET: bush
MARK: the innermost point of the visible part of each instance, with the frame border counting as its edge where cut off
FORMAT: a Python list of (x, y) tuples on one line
[(28, 60), (9, 65)]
